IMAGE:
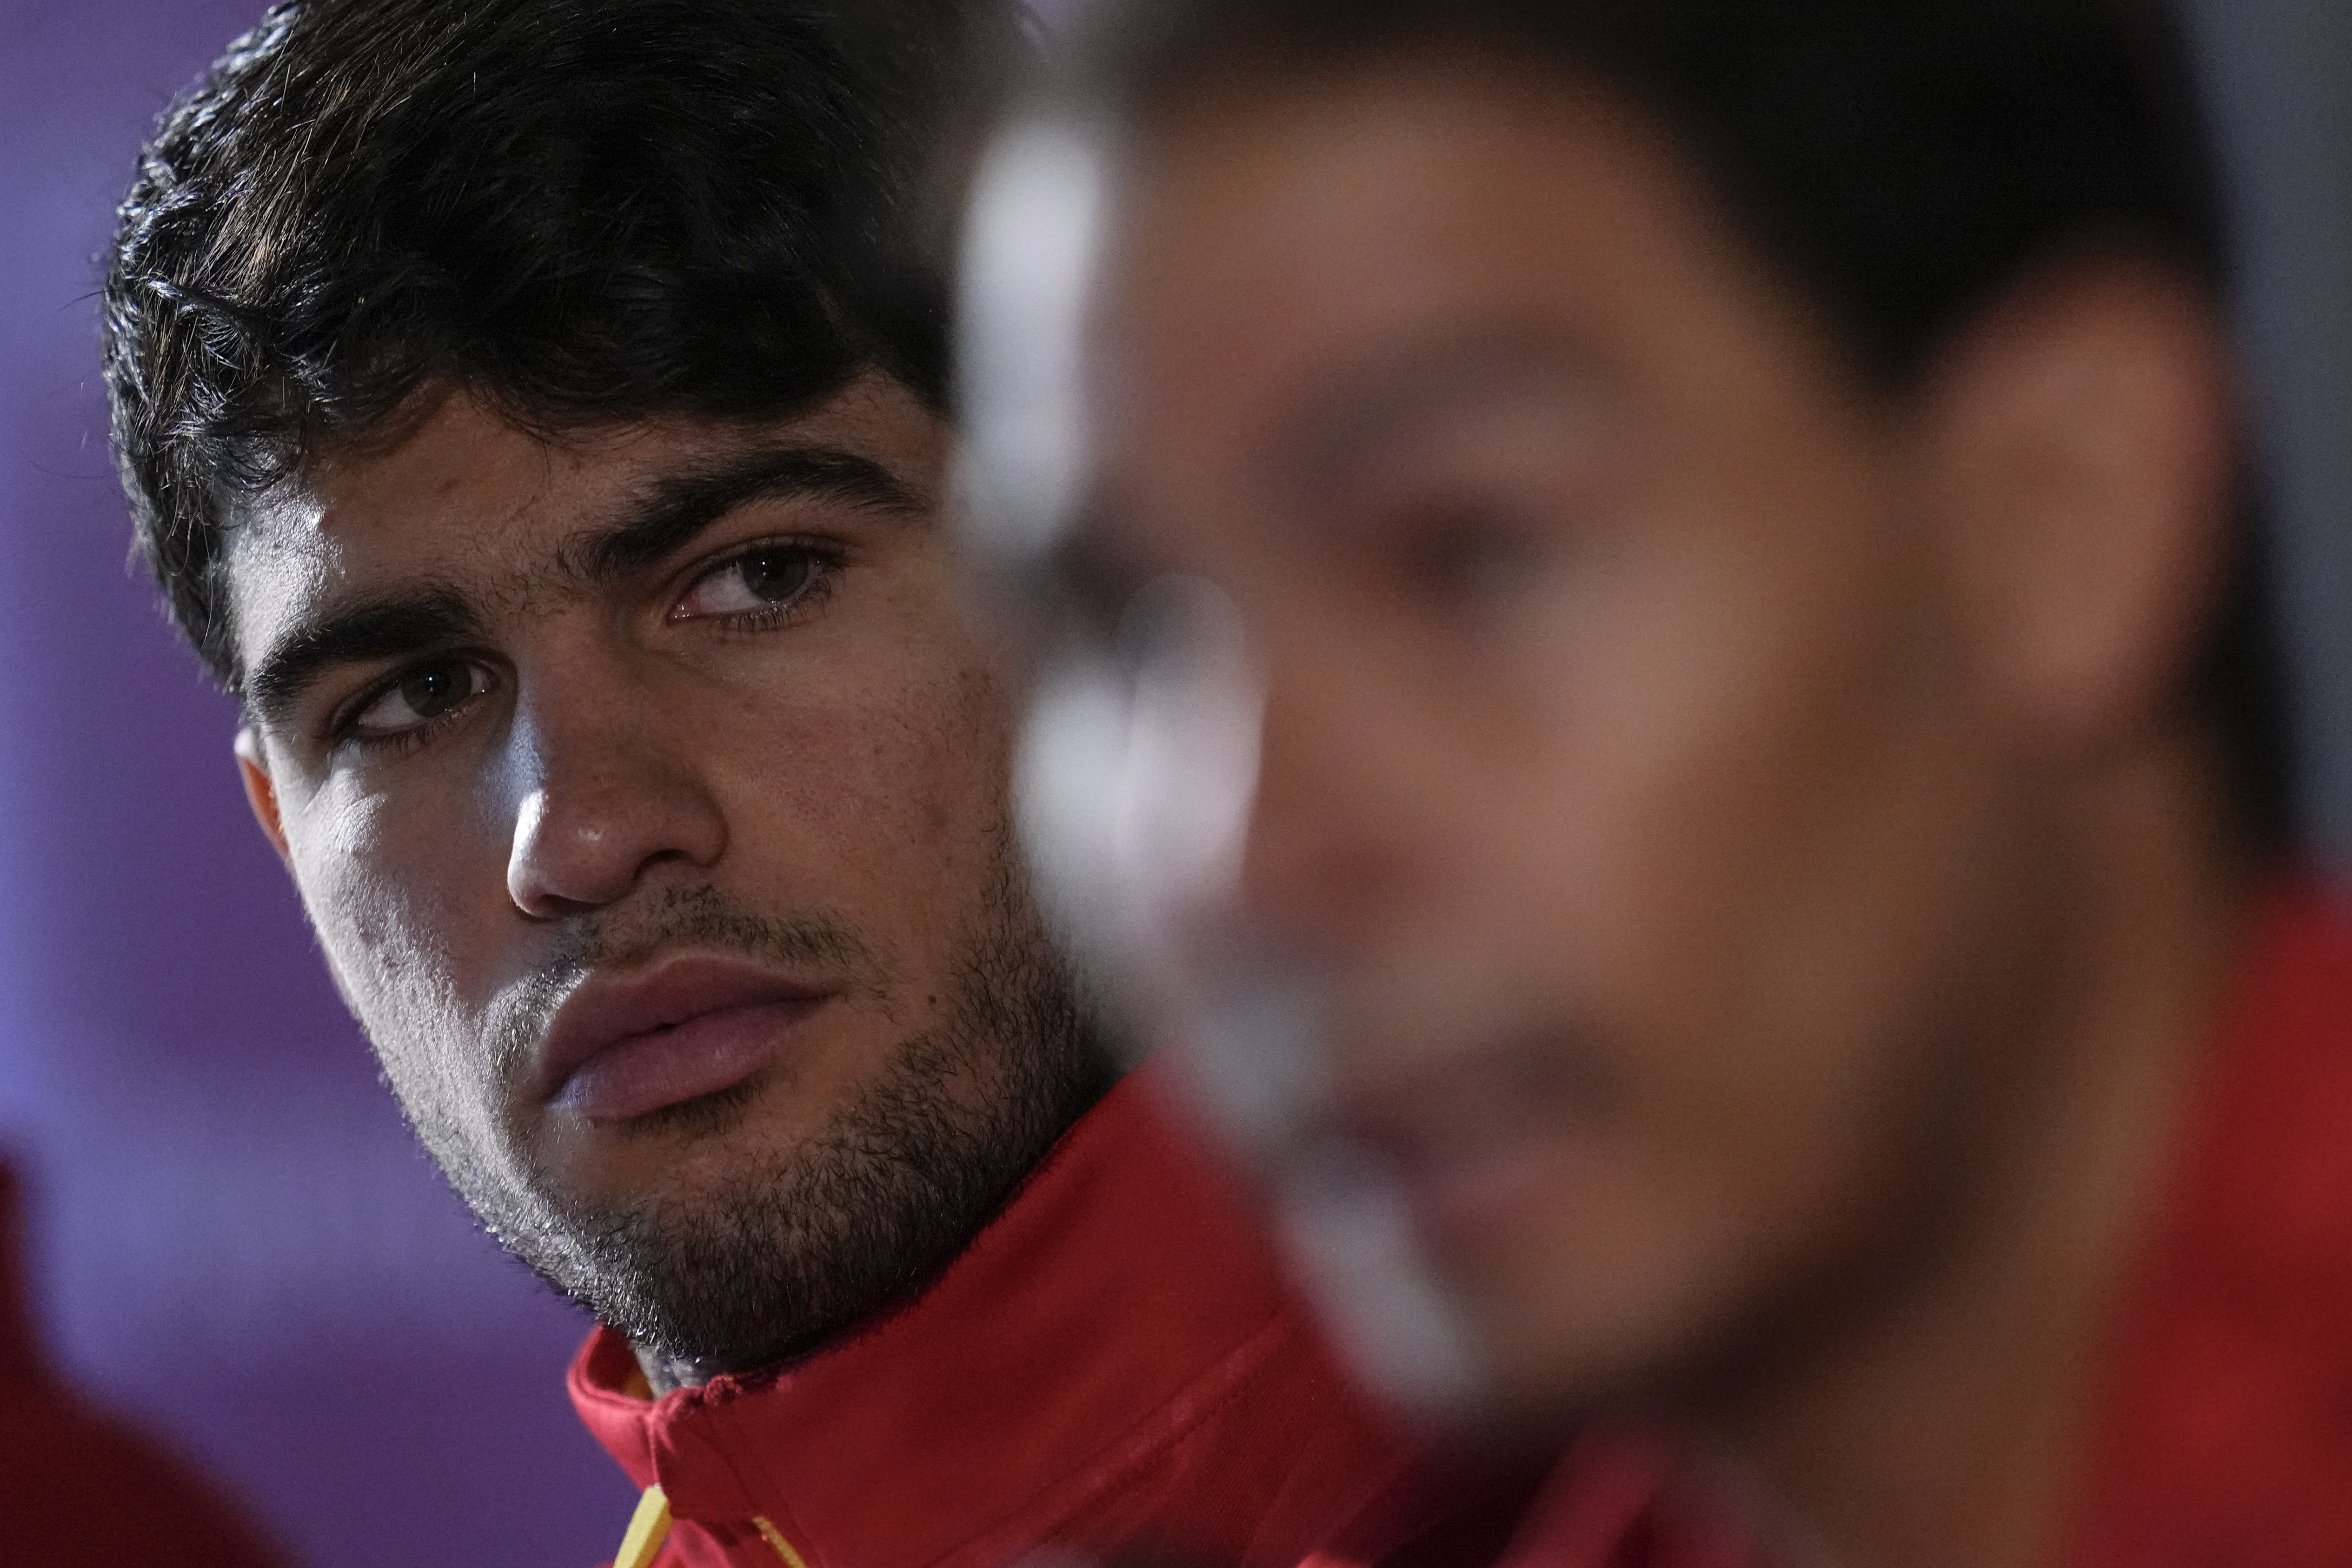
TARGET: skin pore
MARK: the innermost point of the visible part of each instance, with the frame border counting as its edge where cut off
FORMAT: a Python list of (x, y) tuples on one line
[(1765, 885), (678, 723)]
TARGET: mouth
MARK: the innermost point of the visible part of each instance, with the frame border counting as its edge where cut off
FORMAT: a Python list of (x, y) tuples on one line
[(1470, 1151), (622, 1047)]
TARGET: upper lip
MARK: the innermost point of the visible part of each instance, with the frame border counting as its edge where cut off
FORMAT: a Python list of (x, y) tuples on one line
[(607, 1009), (1423, 1111)]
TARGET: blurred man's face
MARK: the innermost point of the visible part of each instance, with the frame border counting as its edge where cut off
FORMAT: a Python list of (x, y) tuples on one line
[(647, 792), (1625, 787)]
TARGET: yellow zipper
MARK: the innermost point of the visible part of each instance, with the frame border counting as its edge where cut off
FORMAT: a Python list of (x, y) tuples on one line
[(649, 1527)]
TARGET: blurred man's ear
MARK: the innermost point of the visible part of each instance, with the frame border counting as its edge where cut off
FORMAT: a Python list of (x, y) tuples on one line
[(2078, 446), (260, 792)]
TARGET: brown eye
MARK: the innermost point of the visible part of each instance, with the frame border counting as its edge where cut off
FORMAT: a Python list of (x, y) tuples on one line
[(422, 694), (1466, 554), (773, 577), (757, 580)]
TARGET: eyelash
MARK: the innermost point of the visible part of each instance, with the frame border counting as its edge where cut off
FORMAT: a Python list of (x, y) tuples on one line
[(826, 559), (342, 729)]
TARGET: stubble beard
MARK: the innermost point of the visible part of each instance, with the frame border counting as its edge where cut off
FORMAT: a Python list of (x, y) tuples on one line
[(808, 1241)]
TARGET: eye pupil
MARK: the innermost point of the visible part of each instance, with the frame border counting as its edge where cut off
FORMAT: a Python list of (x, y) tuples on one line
[(774, 575), (432, 693)]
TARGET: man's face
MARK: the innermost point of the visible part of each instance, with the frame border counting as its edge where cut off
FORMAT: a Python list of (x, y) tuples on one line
[(647, 790), (1625, 799)]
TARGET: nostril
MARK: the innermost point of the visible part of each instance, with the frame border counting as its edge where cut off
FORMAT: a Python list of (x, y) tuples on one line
[(560, 861), (585, 844), (523, 873)]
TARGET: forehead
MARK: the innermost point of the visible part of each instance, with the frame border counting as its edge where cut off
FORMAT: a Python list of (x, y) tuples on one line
[(1278, 239), (463, 489)]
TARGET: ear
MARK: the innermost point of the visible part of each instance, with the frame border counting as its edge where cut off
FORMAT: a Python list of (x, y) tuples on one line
[(260, 791), (2079, 442)]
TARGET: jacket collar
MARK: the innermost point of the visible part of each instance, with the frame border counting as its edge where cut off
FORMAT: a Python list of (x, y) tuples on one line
[(2227, 1433), (1125, 1281)]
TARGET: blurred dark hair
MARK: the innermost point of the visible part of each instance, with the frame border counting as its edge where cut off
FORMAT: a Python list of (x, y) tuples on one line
[(579, 211), (1902, 162)]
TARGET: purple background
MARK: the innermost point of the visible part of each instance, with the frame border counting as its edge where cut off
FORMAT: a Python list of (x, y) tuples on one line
[(237, 1242)]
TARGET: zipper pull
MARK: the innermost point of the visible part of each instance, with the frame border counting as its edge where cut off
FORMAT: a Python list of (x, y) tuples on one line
[(648, 1528)]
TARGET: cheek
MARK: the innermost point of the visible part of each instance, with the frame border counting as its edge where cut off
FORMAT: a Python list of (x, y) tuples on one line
[(385, 900), (1691, 872), (1705, 834), (888, 788)]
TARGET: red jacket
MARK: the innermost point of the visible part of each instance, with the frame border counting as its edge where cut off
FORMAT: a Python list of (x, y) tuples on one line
[(78, 1489), (2228, 1432), (1114, 1369), (2226, 1423)]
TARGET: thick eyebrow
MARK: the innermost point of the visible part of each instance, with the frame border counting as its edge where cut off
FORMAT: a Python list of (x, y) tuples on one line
[(368, 630), (667, 514), (1369, 406), (675, 508)]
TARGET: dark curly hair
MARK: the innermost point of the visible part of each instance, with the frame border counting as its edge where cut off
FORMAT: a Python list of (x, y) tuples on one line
[(579, 211)]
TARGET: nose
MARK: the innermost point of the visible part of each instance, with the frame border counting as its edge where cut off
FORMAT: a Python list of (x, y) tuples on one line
[(1336, 830), (601, 792)]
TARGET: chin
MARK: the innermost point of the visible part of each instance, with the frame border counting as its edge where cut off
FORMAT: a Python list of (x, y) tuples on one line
[(1549, 1373), (1563, 1330)]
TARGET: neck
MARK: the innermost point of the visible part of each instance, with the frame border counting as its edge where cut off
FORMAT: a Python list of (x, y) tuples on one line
[(1946, 1426), (661, 1374)]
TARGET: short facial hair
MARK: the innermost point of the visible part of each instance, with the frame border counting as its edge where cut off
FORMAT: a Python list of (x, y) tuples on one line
[(821, 1236)]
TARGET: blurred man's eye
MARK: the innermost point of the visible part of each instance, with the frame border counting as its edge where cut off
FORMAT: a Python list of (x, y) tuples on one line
[(1468, 555), (1087, 587)]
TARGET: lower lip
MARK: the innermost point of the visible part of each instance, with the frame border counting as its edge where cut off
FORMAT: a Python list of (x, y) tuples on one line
[(1472, 1207), (649, 1072)]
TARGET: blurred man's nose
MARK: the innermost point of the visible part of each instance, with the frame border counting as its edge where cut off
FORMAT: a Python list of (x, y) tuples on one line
[(1333, 837), (603, 786)]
